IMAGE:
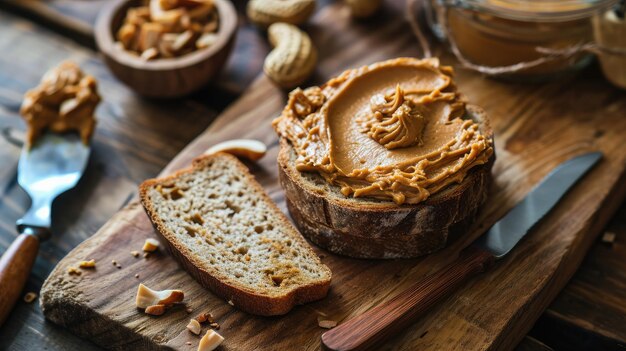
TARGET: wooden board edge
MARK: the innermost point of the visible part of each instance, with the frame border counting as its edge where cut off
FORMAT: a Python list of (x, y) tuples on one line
[(81, 320), (62, 304), (523, 321)]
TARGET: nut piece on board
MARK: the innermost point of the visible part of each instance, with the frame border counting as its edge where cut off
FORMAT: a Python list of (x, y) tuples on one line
[(87, 264), (155, 310), (247, 148), (30, 297), (73, 270), (608, 237), (210, 341), (293, 58), (147, 297), (328, 324), (363, 8), (267, 12), (205, 317), (194, 327), (150, 245)]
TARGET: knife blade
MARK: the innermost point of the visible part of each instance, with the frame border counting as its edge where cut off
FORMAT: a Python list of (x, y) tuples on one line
[(370, 329), (509, 230)]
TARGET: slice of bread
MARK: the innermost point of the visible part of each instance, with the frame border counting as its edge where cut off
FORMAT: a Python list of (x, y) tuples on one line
[(370, 228), (219, 223)]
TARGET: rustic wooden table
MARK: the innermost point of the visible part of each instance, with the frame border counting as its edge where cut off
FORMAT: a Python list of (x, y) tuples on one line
[(138, 137)]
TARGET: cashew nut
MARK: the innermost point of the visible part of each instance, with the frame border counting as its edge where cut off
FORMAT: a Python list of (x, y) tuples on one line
[(294, 57), (247, 148)]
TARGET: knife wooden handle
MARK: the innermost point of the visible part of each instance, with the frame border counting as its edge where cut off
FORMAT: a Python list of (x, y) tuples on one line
[(370, 329), (15, 266)]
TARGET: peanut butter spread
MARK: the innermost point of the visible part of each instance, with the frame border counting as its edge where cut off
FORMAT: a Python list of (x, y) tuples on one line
[(64, 100), (393, 130)]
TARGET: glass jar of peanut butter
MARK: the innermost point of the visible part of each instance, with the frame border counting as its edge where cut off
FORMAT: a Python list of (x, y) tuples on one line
[(518, 39)]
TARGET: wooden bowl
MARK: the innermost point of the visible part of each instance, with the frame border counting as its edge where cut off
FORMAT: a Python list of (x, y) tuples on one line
[(164, 77)]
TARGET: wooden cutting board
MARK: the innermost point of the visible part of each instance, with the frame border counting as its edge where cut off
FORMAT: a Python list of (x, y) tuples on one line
[(536, 127)]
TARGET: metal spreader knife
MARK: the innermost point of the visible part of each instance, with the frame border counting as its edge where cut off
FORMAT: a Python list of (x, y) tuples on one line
[(370, 329), (53, 165)]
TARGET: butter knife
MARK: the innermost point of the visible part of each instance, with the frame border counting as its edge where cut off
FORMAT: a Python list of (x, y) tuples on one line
[(368, 330)]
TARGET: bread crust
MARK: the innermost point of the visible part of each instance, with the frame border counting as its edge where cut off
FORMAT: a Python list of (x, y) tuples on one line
[(381, 229), (241, 297)]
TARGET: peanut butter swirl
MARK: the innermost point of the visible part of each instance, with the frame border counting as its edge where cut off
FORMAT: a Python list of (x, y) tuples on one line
[(394, 121), (395, 130)]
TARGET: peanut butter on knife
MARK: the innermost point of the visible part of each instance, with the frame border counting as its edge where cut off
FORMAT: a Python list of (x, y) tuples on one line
[(65, 100)]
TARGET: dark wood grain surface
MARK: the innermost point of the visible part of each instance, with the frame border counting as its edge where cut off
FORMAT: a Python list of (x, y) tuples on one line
[(588, 314), (134, 139)]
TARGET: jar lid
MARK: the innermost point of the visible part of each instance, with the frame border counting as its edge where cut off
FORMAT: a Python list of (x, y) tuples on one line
[(538, 10)]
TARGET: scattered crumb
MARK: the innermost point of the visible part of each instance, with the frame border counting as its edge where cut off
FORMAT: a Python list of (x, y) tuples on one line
[(30, 297), (87, 264), (137, 275), (215, 325), (135, 253), (119, 266), (73, 270), (326, 323), (230, 302), (150, 245), (608, 237), (188, 342), (189, 310), (146, 254)]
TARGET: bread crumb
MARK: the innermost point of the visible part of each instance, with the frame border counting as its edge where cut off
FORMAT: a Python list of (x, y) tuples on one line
[(608, 237), (188, 342), (189, 310), (73, 270), (194, 327), (137, 275), (87, 264), (215, 325), (326, 323), (135, 253), (30, 297), (230, 302), (150, 245), (146, 254)]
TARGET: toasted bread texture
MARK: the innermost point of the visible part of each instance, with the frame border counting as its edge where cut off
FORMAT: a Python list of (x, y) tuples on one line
[(370, 228), (219, 223)]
